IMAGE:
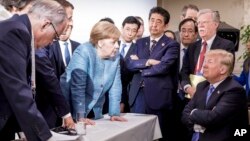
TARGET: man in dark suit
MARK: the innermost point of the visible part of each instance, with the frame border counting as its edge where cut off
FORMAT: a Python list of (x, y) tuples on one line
[(130, 27), (20, 35), (50, 100), (155, 66), (208, 22), (219, 105), (61, 50)]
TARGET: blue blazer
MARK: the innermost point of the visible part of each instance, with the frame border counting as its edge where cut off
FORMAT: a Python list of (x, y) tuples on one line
[(88, 77), (16, 99), (243, 78), (160, 80)]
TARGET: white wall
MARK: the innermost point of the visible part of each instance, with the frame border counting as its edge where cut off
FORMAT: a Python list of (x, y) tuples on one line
[(88, 12)]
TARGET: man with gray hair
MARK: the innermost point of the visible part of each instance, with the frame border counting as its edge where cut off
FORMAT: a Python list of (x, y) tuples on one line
[(208, 22), (19, 36)]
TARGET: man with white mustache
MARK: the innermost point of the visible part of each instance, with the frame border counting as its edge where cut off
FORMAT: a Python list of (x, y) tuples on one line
[(208, 22)]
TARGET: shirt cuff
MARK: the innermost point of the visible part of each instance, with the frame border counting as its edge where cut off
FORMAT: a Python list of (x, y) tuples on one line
[(66, 116)]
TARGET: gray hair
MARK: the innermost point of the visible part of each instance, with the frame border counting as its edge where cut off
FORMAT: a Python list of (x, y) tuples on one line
[(215, 14), (49, 9)]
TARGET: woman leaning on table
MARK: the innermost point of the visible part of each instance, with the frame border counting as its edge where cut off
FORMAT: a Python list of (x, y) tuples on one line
[(94, 70)]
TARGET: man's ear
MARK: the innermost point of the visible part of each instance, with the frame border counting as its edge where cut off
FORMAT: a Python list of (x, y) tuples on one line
[(46, 23), (223, 69)]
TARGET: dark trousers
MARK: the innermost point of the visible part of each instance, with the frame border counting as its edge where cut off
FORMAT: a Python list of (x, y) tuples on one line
[(139, 105), (167, 123), (9, 130), (180, 103)]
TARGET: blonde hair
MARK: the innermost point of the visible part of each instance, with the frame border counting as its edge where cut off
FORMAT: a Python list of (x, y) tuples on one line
[(104, 30), (226, 58)]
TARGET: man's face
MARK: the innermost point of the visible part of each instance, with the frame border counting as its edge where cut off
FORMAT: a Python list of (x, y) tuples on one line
[(207, 27), (187, 33), (46, 32), (212, 68), (67, 32), (129, 32), (191, 13), (156, 25)]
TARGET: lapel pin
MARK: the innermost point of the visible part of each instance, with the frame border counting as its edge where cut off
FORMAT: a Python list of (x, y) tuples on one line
[(163, 44), (218, 92)]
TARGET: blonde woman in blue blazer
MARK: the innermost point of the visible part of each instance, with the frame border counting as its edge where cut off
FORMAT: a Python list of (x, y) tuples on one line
[(94, 70)]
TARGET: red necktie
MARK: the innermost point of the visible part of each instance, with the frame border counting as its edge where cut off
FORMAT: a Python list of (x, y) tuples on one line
[(201, 58)]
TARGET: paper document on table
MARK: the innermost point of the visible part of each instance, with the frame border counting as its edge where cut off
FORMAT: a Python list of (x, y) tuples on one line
[(61, 137), (195, 79)]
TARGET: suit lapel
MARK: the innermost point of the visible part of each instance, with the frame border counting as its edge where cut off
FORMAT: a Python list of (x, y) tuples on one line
[(130, 50), (216, 43), (197, 52), (218, 91)]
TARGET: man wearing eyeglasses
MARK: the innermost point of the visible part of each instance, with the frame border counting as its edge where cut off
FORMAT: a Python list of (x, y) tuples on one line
[(188, 34), (18, 35), (49, 97)]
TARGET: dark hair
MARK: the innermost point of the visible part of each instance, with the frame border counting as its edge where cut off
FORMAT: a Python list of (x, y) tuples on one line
[(170, 31), (189, 6), (107, 19), (187, 20), (65, 3), (131, 20), (161, 11)]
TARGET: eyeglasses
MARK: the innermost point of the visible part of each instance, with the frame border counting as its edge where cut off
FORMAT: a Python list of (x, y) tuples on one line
[(57, 35)]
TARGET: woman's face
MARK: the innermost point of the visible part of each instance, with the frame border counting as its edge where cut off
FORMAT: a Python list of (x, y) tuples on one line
[(108, 47)]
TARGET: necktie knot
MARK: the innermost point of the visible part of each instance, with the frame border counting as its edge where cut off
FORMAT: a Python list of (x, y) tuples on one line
[(184, 50)]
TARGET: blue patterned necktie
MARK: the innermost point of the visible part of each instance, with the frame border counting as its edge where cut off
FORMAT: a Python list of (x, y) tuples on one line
[(152, 46), (66, 53), (123, 50), (210, 91)]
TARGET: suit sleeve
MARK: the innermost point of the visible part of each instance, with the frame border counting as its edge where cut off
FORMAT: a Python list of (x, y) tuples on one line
[(115, 94), (78, 67), (14, 56), (166, 63), (47, 79), (136, 65), (187, 111), (230, 103)]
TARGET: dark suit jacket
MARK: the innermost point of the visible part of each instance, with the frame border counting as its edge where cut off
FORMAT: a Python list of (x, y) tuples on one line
[(49, 98), (16, 99), (225, 111), (192, 55), (160, 80), (126, 75), (55, 56)]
